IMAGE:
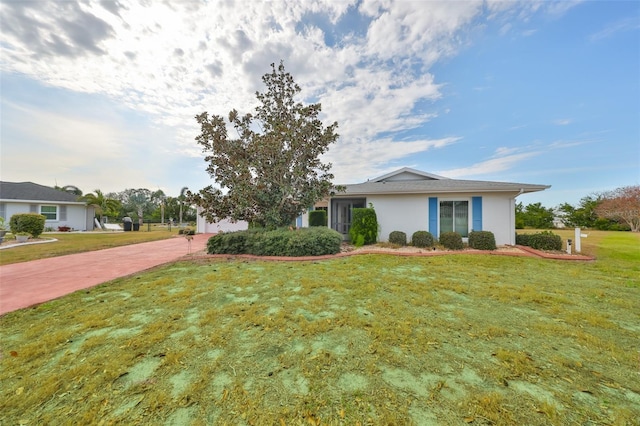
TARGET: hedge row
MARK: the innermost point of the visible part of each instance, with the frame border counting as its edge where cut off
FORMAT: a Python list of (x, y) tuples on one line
[(545, 240), (314, 241)]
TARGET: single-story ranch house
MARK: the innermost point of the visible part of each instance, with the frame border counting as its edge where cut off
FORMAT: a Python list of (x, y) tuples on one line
[(60, 208), (410, 200)]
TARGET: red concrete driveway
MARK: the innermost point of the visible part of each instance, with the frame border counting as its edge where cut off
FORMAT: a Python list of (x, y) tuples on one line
[(29, 283)]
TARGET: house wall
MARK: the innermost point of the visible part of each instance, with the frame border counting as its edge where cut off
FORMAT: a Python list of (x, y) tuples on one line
[(77, 215), (406, 213), (498, 216), (410, 213), (225, 225)]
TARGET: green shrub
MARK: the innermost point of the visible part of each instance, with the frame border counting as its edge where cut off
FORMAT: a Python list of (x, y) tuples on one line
[(318, 218), (523, 239), (228, 243), (364, 226), (398, 237), (269, 242), (482, 240), (422, 239), (545, 240), (314, 241), (31, 223), (451, 240)]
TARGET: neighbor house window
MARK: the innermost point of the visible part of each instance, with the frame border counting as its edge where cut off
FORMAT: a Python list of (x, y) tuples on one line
[(3, 212), (50, 212), (454, 217)]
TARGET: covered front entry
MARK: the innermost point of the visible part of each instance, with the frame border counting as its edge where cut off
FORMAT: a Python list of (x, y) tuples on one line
[(341, 209)]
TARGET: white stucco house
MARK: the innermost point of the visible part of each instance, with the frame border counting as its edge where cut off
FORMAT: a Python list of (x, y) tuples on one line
[(410, 200), (60, 208)]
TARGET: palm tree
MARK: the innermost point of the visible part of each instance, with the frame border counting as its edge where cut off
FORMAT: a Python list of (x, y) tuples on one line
[(159, 198), (102, 204), (181, 198)]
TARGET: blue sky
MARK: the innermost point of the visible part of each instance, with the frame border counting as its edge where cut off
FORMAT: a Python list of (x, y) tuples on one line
[(102, 95)]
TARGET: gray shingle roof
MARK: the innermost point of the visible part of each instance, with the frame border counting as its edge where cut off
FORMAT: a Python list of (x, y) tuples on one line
[(438, 186), (29, 191)]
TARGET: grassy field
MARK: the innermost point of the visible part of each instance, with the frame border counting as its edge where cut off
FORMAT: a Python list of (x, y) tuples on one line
[(372, 339), (72, 242)]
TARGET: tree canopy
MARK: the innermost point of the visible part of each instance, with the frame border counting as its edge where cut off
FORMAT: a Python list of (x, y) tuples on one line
[(272, 171), (622, 204), (104, 205)]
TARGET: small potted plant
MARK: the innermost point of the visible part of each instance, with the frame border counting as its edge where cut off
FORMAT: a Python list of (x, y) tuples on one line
[(22, 237)]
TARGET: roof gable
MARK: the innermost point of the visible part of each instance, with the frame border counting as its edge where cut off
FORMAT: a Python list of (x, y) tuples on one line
[(407, 174), (411, 181), (29, 191)]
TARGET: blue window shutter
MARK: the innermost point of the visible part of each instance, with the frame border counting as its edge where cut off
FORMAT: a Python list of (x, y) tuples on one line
[(476, 211), (433, 216)]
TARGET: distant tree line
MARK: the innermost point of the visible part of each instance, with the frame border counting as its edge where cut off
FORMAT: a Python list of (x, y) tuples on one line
[(617, 210), (142, 205)]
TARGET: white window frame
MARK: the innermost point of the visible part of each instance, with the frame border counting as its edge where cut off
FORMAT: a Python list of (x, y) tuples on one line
[(469, 214), (49, 213)]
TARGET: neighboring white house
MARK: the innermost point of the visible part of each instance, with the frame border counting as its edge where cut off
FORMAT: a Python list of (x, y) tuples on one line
[(410, 200), (60, 208)]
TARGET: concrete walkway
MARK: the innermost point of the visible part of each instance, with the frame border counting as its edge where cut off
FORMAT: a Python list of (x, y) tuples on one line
[(29, 283)]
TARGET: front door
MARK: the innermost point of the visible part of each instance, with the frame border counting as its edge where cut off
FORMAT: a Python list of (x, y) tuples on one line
[(341, 214)]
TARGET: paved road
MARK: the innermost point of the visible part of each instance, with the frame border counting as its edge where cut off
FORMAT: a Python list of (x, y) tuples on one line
[(29, 283)]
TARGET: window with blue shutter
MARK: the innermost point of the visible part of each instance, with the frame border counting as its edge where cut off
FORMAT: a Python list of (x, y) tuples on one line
[(476, 211), (433, 216)]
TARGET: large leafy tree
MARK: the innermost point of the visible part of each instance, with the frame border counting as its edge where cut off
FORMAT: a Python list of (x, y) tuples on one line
[(534, 216), (137, 201), (622, 204), (71, 189), (272, 171), (584, 215), (104, 205)]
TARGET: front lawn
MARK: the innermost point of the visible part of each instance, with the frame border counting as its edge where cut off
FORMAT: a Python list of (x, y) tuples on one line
[(371, 339), (78, 242)]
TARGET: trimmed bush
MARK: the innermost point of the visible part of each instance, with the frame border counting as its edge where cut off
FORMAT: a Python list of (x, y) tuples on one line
[(318, 218), (422, 239), (31, 223), (364, 226), (482, 240), (398, 237), (451, 240), (314, 241), (545, 240), (228, 243)]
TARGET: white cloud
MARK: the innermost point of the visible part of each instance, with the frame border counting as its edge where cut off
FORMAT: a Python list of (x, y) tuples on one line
[(169, 61), (491, 166), (622, 25), (362, 159), (562, 122)]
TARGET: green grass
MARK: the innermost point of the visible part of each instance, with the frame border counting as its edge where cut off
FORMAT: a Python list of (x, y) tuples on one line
[(372, 339), (70, 243)]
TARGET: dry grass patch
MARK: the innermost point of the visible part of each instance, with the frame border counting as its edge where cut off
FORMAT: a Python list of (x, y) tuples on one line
[(373, 339)]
